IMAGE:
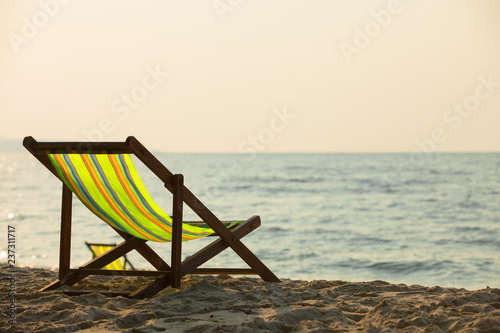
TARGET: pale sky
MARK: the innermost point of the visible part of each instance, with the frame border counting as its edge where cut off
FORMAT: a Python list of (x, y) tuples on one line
[(245, 75)]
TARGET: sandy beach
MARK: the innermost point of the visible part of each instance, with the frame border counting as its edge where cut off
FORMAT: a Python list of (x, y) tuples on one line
[(228, 304)]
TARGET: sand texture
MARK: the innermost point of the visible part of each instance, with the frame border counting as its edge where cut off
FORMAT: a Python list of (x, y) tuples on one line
[(226, 304)]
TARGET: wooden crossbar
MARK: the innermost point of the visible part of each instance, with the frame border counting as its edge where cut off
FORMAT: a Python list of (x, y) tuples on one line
[(83, 147)]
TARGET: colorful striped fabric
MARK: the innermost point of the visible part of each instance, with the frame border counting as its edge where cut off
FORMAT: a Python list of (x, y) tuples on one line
[(109, 185), (98, 249)]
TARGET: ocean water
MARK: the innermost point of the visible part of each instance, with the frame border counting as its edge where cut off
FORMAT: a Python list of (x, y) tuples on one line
[(428, 219)]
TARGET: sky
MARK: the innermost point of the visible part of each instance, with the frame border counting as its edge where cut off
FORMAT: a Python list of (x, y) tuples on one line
[(254, 76)]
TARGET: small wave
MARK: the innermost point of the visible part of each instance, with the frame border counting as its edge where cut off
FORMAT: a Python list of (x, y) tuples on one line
[(470, 204), (308, 255), (471, 229), (277, 230), (290, 189), (325, 231), (407, 267), (480, 242), (352, 263), (241, 187), (370, 240), (307, 180), (419, 181), (397, 267)]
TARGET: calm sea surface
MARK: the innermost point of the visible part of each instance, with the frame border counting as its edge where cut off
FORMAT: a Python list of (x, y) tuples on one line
[(429, 219)]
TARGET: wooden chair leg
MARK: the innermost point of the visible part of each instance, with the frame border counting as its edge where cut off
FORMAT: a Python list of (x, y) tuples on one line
[(175, 278), (65, 238)]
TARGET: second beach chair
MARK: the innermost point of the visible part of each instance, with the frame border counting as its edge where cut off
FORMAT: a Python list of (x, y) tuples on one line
[(98, 249)]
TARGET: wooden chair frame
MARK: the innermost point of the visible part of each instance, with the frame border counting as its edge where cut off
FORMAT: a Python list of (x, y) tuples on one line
[(166, 275)]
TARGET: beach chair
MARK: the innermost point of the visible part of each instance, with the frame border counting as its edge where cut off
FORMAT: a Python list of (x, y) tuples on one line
[(119, 264), (102, 175)]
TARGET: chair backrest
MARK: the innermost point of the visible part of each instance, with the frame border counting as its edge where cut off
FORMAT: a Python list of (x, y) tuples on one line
[(110, 187), (102, 175)]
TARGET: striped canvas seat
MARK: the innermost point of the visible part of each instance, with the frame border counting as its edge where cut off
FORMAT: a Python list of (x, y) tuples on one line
[(110, 187)]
